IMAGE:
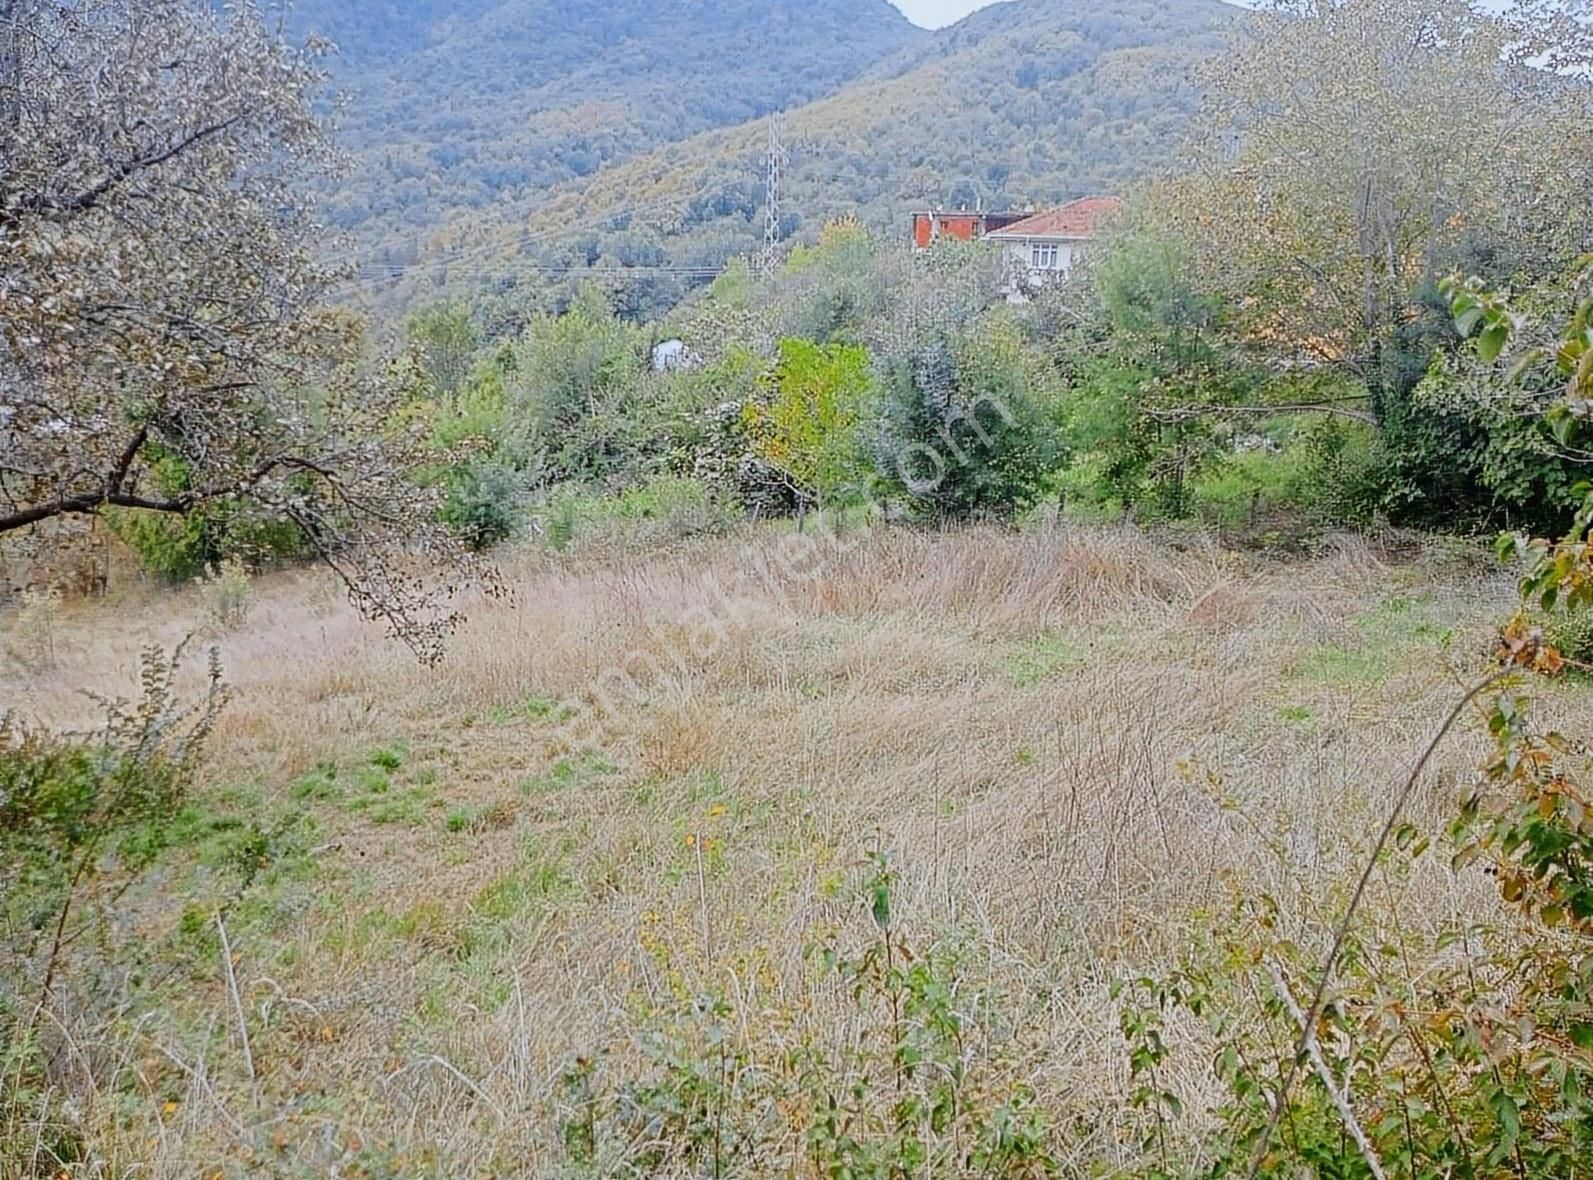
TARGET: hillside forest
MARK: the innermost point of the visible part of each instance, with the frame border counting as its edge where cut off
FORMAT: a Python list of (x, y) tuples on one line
[(519, 658)]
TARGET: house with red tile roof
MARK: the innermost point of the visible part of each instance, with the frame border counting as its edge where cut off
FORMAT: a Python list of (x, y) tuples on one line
[(1045, 246)]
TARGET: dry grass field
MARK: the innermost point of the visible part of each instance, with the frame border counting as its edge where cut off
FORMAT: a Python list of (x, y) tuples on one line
[(485, 903)]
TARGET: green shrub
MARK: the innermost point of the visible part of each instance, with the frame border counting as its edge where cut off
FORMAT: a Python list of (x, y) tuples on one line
[(1458, 453), (969, 425), (577, 379), (1319, 469), (81, 818), (664, 509), (447, 337), (486, 503), (173, 548), (181, 547), (77, 807), (227, 594), (680, 506), (804, 424)]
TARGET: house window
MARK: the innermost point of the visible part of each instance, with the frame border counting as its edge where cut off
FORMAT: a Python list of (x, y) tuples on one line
[(1043, 256)]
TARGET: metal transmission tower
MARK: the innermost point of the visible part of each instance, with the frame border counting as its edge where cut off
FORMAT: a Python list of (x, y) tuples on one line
[(776, 160)]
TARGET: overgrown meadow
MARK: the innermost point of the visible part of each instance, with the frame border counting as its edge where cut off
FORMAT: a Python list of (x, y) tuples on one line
[(844, 722), (750, 857)]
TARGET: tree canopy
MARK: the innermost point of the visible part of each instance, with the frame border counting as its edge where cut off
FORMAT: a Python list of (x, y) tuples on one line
[(164, 341)]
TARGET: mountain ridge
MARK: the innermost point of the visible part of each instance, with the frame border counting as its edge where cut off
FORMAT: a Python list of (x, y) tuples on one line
[(1026, 101), (461, 104)]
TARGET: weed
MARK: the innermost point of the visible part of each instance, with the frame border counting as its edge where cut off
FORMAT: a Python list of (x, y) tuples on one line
[(1042, 658), (924, 1080), (319, 785), (30, 636), (82, 818), (567, 773), (228, 596), (407, 808), (386, 758), (541, 708)]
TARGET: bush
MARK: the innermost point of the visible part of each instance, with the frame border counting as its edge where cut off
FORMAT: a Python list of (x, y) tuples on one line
[(486, 503), (970, 425), (576, 379), (1458, 453), (668, 508), (805, 423), (173, 548), (227, 594), (81, 818), (73, 807), (1318, 469), (179, 548), (715, 447)]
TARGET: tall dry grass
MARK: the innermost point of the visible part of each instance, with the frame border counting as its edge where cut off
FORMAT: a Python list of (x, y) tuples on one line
[(1073, 744)]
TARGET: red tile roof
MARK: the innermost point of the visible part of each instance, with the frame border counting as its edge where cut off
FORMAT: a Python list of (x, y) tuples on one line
[(1077, 219)]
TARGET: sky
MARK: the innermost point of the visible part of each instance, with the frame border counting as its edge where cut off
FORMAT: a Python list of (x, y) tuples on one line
[(932, 14)]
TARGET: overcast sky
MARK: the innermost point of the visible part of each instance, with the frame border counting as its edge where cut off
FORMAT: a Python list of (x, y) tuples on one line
[(932, 14)]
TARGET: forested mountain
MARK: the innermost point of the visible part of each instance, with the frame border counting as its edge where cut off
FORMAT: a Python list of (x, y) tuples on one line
[(461, 104), (1028, 101), (372, 32)]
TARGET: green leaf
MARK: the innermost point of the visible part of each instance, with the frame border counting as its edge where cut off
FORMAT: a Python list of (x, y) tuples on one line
[(1509, 1116), (1561, 421), (882, 905), (1492, 341)]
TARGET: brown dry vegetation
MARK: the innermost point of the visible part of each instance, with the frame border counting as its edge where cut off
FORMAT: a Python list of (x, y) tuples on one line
[(1074, 745)]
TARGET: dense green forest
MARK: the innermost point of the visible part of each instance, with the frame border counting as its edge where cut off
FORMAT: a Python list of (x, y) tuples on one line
[(1026, 102), (461, 107)]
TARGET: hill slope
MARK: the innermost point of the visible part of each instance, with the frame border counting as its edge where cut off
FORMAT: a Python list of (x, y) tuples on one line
[(1028, 101), (463, 103)]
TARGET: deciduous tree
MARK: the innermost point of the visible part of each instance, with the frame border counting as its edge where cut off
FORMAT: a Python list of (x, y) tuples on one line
[(1354, 151), (164, 338), (807, 426)]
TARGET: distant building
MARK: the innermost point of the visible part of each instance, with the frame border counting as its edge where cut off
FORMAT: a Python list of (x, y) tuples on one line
[(1045, 246), (672, 356), (965, 225)]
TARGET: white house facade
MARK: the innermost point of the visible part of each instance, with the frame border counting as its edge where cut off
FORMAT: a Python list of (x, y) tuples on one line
[(1045, 247)]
